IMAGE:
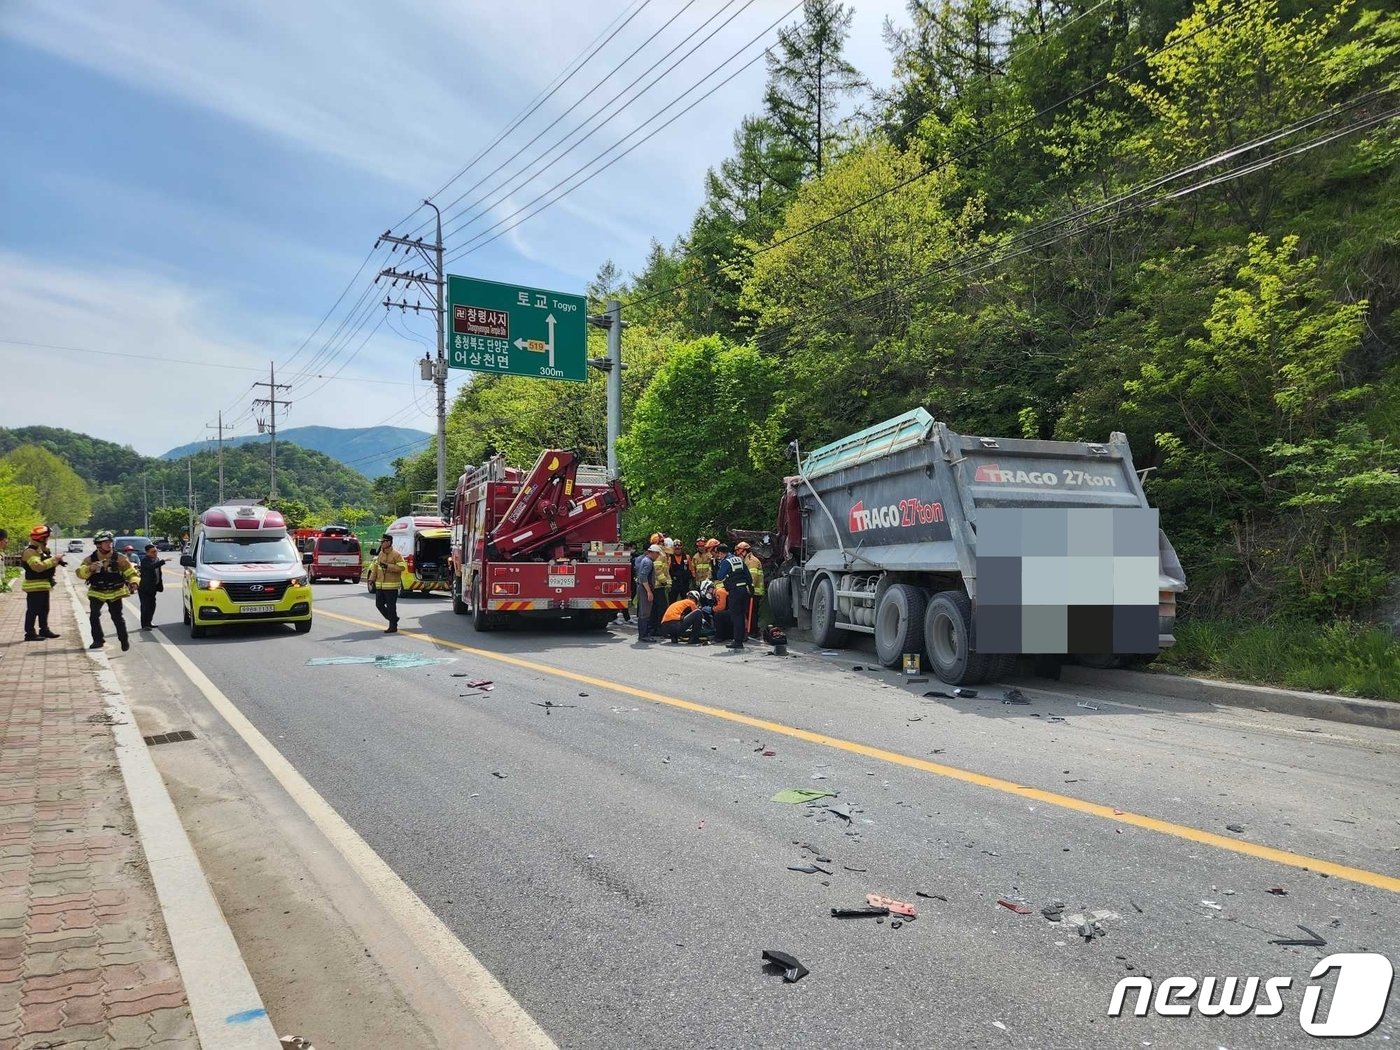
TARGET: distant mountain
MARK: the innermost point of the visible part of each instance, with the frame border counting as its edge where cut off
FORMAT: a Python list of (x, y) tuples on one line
[(369, 450)]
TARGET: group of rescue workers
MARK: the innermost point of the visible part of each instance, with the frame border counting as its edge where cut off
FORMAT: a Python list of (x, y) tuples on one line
[(110, 577), (708, 591)]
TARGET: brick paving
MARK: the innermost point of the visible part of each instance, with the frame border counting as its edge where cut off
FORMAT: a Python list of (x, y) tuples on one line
[(85, 960)]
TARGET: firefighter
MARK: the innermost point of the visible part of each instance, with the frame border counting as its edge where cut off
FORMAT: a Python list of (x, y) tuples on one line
[(734, 575), (680, 571), (110, 578), (386, 573), (745, 550), (40, 566), (662, 586), (681, 616), (701, 564)]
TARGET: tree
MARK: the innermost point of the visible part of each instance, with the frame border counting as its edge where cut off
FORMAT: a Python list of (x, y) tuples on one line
[(170, 521), (19, 504), (294, 511), (606, 284), (62, 496), (693, 457), (808, 78)]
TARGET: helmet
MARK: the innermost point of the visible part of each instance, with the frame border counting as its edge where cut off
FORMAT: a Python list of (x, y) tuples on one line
[(693, 595), (39, 532), (700, 541), (707, 586), (711, 544), (743, 545), (105, 536)]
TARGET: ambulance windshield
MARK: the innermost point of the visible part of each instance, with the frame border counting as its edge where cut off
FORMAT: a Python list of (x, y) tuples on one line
[(242, 551)]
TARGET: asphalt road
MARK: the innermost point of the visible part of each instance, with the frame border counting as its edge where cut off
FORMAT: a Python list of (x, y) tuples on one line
[(616, 861)]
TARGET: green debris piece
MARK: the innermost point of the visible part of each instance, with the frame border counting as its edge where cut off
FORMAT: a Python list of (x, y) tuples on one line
[(796, 796), (395, 661)]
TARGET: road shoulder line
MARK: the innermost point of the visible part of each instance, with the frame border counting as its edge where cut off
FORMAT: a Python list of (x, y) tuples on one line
[(503, 1020)]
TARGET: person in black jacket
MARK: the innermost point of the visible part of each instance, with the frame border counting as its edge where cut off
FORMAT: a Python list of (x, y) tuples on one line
[(733, 575), (152, 583)]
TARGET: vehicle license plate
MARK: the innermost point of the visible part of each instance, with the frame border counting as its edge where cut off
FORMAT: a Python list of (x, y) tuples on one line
[(561, 579), (254, 609)]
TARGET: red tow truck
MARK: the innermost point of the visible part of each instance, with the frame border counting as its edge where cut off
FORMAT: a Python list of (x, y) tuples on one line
[(539, 544)]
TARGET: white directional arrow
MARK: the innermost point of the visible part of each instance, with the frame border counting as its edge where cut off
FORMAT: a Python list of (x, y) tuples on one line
[(549, 320), (521, 344)]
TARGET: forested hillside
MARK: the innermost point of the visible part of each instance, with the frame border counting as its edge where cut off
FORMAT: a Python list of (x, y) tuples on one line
[(1179, 220), (113, 479)]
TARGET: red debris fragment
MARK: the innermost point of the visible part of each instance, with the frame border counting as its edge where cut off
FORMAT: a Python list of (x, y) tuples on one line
[(769, 754), (1016, 906), (895, 907), (1278, 891)]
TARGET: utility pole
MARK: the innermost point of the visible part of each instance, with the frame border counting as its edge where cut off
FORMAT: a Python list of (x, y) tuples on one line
[(612, 365), (189, 480), (272, 387), (435, 283), (221, 452)]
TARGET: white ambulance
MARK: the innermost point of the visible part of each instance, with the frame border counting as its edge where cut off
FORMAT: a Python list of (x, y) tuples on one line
[(244, 568)]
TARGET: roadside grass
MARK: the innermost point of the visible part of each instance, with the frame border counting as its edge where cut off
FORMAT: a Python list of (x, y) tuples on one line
[(1342, 657)]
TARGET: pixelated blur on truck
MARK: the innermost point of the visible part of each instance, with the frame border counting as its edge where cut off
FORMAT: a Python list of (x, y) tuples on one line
[(878, 534), (542, 544)]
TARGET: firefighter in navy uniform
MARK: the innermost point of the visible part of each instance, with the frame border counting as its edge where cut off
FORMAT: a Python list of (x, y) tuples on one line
[(39, 569), (733, 574), (110, 578)]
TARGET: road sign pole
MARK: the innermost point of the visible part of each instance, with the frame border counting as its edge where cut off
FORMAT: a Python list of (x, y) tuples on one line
[(440, 373), (614, 383)]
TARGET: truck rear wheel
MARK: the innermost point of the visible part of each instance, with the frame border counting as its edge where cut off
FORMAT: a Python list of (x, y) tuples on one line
[(824, 630), (899, 623), (948, 639), (481, 620), (458, 606), (780, 602)]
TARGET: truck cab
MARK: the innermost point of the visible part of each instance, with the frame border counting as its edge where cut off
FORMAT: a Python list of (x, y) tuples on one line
[(243, 567)]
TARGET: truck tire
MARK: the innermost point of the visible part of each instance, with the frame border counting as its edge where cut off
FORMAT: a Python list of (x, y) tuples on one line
[(824, 630), (302, 626), (458, 606), (1003, 666), (481, 619), (780, 602), (899, 623), (948, 640)]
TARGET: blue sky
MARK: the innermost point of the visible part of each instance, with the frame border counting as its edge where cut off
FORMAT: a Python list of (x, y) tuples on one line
[(198, 182)]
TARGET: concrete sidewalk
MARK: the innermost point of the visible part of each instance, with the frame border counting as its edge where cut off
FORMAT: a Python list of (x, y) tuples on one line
[(85, 954)]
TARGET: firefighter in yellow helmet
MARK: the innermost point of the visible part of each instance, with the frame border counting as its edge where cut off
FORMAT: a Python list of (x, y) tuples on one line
[(40, 566), (110, 578), (702, 563)]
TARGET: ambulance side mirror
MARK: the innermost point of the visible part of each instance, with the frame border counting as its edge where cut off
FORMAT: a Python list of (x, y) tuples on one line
[(306, 558), (187, 560)]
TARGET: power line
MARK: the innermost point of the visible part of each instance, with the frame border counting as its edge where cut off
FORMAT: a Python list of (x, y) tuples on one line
[(482, 207), (975, 148), (530, 107), (467, 249), (983, 258)]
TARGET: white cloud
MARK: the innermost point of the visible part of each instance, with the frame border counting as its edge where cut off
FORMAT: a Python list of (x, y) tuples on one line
[(140, 313)]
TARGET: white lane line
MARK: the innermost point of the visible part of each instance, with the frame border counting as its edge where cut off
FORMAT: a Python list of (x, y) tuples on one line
[(502, 1018), (225, 1004)]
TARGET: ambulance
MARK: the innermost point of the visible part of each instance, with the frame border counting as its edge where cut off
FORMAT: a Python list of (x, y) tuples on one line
[(426, 546), (243, 567)]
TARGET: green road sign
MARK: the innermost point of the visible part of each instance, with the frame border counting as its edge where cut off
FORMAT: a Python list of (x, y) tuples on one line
[(518, 331)]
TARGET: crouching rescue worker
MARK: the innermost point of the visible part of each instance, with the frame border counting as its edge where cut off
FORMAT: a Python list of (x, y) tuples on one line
[(386, 573), (39, 568), (110, 578), (681, 616)]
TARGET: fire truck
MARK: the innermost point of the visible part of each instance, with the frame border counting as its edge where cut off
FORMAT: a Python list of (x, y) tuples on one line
[(539, 544)]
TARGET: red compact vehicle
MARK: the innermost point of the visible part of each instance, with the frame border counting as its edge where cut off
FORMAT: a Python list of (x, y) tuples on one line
[(335, 555)]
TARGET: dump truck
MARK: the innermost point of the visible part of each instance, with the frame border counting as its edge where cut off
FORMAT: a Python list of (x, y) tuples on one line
[(878, 534), (542, 544)]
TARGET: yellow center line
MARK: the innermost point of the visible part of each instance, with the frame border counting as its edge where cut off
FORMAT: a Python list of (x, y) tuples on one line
[(966, 776)]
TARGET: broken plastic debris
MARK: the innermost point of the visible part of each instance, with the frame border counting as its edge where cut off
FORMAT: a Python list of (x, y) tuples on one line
[(895, 907), (550, 705), (1014, 696), (498, 776), (858, 913), (792, 969), (1053, 911), (1087, 706), (939, 693), (1277, 891), (931, 896), (806, 869), (965, 692), (769, 754), (797, 796), (849, 868), (1313, 940), (1212, 905), (482, 683), (1016, 906), (1238, 829), (844, 812)]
